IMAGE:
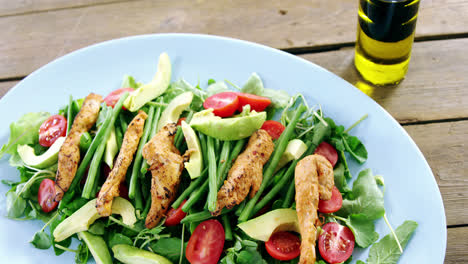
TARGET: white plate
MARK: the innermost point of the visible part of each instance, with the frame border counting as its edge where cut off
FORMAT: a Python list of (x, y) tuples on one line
[(411, 191)]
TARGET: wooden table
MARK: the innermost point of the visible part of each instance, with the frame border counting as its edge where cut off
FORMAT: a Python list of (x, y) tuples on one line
[(431, 103)]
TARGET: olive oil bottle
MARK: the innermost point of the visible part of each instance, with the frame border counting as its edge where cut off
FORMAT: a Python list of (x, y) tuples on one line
[(384, 39)]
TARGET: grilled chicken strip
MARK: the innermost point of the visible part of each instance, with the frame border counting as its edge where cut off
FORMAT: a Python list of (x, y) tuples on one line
[(313, 180), (247, 172), (110, 189), (69, 154), (166, 165)]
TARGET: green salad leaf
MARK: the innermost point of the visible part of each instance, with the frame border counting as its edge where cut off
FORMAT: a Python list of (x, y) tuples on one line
[(363, 230), (340, 178), (354, 147), (15, 205), (254, 85), (243, 252), (41, 240), (129, 82), (118, 238), (217, 87), (25, 131), (82, 254), (168, 248), (386, 251), (367, 198)]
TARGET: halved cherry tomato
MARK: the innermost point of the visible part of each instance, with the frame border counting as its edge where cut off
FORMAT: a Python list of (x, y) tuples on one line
[(115, 95), (257, 103), (274, 128), (46, 195), (283, 245), (174, 216), (332, 205), (54, 127), (336, 243), (180, 121), (224, 104), (328, 151), (206, 243)]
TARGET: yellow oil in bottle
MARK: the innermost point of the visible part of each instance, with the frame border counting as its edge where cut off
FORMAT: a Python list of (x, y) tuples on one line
[(384, 39)]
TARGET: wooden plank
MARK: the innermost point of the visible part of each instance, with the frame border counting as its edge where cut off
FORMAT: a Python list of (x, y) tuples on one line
[(8, 7), (434, 88), (5, 86), (445, 147), (281, 24), (457, 246)]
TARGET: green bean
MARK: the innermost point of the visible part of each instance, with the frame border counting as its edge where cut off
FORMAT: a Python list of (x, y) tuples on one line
[(223, 161), (94, 166), (146, 209), (195, 196), (138, 156), (193, 185), (202, 216), (85, 141), (69, 114), (123, 124), (240, 208), (157, 115), (216, 145), (138, 200), (119, 137), (202, 138), (280, 147), (289, 195), (227, 227), (235, 152), (212, 175)]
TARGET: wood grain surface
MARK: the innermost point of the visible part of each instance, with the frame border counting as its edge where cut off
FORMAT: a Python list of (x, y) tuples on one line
[(457, 245), (14, 7), (6, 86), (445, 147), (281, 24), (434, 88)]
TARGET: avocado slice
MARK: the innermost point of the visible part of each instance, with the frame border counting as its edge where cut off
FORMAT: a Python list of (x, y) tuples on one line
[(132, 255), (97, 246), (153, 89), (111, 148), (45, 160), (195, 164), (86, 215), (294, 150), (262, 227), (172, 112), (232, 128)]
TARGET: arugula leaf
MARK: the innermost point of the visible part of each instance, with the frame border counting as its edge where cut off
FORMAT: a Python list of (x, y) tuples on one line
[(25, 131), (169, 248), (243, 252), (15, 205), (254, 85), (360, 262), (41, 240), (211, 81), (340, 178), (181, 86), (363, 230), (355, 147), (97, 228), (367, 198), (118, 238), (386, 251), (82, 254)]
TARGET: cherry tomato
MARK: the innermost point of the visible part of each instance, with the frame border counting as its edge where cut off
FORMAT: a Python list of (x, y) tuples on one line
[(224, 104), (54, 127), (46, 195), (283, 246), (114, 96), (174, 216), (274, 128), (332, 205), (257, 103), (180, 121), (328, 151), (336, 243), (206, 243)]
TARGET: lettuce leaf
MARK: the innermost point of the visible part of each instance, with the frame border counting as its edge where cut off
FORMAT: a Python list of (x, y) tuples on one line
[(254, 85), (25, 131)]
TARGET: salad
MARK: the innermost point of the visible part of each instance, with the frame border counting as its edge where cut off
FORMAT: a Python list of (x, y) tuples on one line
[(169, 172)]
